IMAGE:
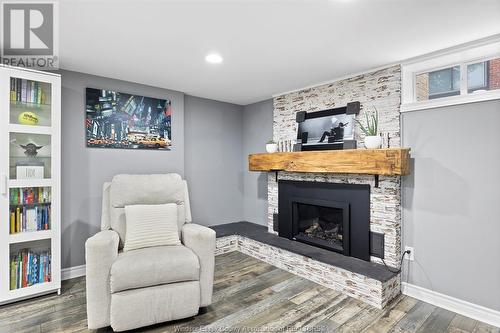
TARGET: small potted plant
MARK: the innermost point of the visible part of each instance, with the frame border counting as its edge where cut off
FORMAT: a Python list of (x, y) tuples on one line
[(271, 146), (372, 138)]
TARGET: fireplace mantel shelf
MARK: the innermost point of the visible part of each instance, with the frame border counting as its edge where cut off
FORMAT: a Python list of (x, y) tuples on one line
[(389, 162)]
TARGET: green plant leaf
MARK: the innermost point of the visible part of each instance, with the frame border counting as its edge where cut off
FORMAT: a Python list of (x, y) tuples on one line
[(363, 129), (374, 120), (368, 125), (371, 126)]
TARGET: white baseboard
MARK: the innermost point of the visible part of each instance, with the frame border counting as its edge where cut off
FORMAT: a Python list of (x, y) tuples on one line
[(72, 272), (464, 308)]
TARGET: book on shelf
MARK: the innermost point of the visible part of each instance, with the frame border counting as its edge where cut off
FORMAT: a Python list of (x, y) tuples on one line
[(18, 89), (25, 219), (27, 91), (29, 195), (28, 268), (39, 95), (30, 209), (18, 218), (24, 85), (13, 89)]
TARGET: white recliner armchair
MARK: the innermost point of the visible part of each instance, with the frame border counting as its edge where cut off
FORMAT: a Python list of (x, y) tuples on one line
[(127, 290)]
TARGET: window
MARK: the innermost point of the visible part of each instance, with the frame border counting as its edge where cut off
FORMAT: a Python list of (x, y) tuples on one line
[(483, 76), (445, 82), (470, 75), (437, 84), (477, 76)]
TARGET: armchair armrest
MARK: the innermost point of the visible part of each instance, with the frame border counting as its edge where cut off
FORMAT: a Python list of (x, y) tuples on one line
[(201, 240), (101, 251)]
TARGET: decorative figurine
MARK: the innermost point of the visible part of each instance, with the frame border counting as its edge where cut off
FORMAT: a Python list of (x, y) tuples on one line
[(31, 150), (32, 168)]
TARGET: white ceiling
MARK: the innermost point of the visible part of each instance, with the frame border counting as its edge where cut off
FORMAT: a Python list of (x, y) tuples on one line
[(268, 46)]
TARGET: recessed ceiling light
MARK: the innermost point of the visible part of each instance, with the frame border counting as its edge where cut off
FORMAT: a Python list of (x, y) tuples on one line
[(214, 58)]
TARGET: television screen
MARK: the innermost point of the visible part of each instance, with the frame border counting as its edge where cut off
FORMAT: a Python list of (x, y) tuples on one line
[(315, 127), (119, 120)]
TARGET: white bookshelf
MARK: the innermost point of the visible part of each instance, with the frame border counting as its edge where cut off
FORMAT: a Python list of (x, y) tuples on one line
[(30, 209)]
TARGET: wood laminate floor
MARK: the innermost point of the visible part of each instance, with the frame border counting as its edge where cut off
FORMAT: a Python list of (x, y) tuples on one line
[(252, 296)]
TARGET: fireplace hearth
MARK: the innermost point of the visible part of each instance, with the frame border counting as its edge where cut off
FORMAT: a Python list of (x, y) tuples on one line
[(331, 216)]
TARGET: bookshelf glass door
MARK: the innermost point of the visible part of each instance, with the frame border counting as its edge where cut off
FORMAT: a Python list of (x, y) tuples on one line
[(30, 191), (30, 156), (30, 102)]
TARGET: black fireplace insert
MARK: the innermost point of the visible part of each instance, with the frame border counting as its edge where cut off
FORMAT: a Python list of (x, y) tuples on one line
[(327, 215)]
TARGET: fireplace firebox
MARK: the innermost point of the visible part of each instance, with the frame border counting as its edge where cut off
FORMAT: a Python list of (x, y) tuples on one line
[(332, 216), (321, 223)]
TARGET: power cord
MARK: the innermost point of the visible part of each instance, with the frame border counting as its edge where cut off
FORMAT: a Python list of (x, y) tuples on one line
[(400, 263)]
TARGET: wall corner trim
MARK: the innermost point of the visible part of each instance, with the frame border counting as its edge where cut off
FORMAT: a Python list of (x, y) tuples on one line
[(462, 307), (72, 272)]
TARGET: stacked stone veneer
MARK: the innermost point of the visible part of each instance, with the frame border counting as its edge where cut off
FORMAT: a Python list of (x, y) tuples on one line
[(381, 90), (368, 290)]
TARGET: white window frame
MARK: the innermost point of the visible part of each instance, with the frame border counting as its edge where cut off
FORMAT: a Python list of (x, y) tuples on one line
[(462, 57)]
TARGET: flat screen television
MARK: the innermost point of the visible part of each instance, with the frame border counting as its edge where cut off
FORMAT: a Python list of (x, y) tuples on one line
[(311, 130)]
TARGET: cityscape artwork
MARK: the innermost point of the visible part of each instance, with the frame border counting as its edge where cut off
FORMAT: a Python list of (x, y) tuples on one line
[(125, 121)]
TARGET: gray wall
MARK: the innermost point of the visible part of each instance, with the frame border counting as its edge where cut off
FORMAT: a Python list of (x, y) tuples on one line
[(207, 140), (257, 130), (452, 201), (84, 170), (213, 169)]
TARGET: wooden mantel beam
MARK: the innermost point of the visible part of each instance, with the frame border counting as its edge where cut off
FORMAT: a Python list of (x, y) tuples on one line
[(391, 161)]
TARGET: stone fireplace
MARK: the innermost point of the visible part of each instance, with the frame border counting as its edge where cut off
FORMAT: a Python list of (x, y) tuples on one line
[(380, 90), (322, 226)]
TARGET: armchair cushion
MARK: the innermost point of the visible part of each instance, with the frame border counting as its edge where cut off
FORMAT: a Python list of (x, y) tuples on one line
[(128, 190), (154, 266), (151, 225), (136, 308)]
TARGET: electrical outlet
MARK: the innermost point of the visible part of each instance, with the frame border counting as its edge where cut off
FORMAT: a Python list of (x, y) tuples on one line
[(411, 256)]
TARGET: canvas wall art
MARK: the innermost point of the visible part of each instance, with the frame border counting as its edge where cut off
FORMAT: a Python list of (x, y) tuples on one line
[(125, 121)]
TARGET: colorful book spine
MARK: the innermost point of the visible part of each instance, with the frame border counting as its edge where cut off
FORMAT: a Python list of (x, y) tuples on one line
[(18, 219), (29, 263), (13, 270), (43, 98), (28, 91), (13, 92), (18, 86), (24, 218), (32, 92), (24, 271), (12, 223), (41, 272), (39, 94), (24, 87)]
